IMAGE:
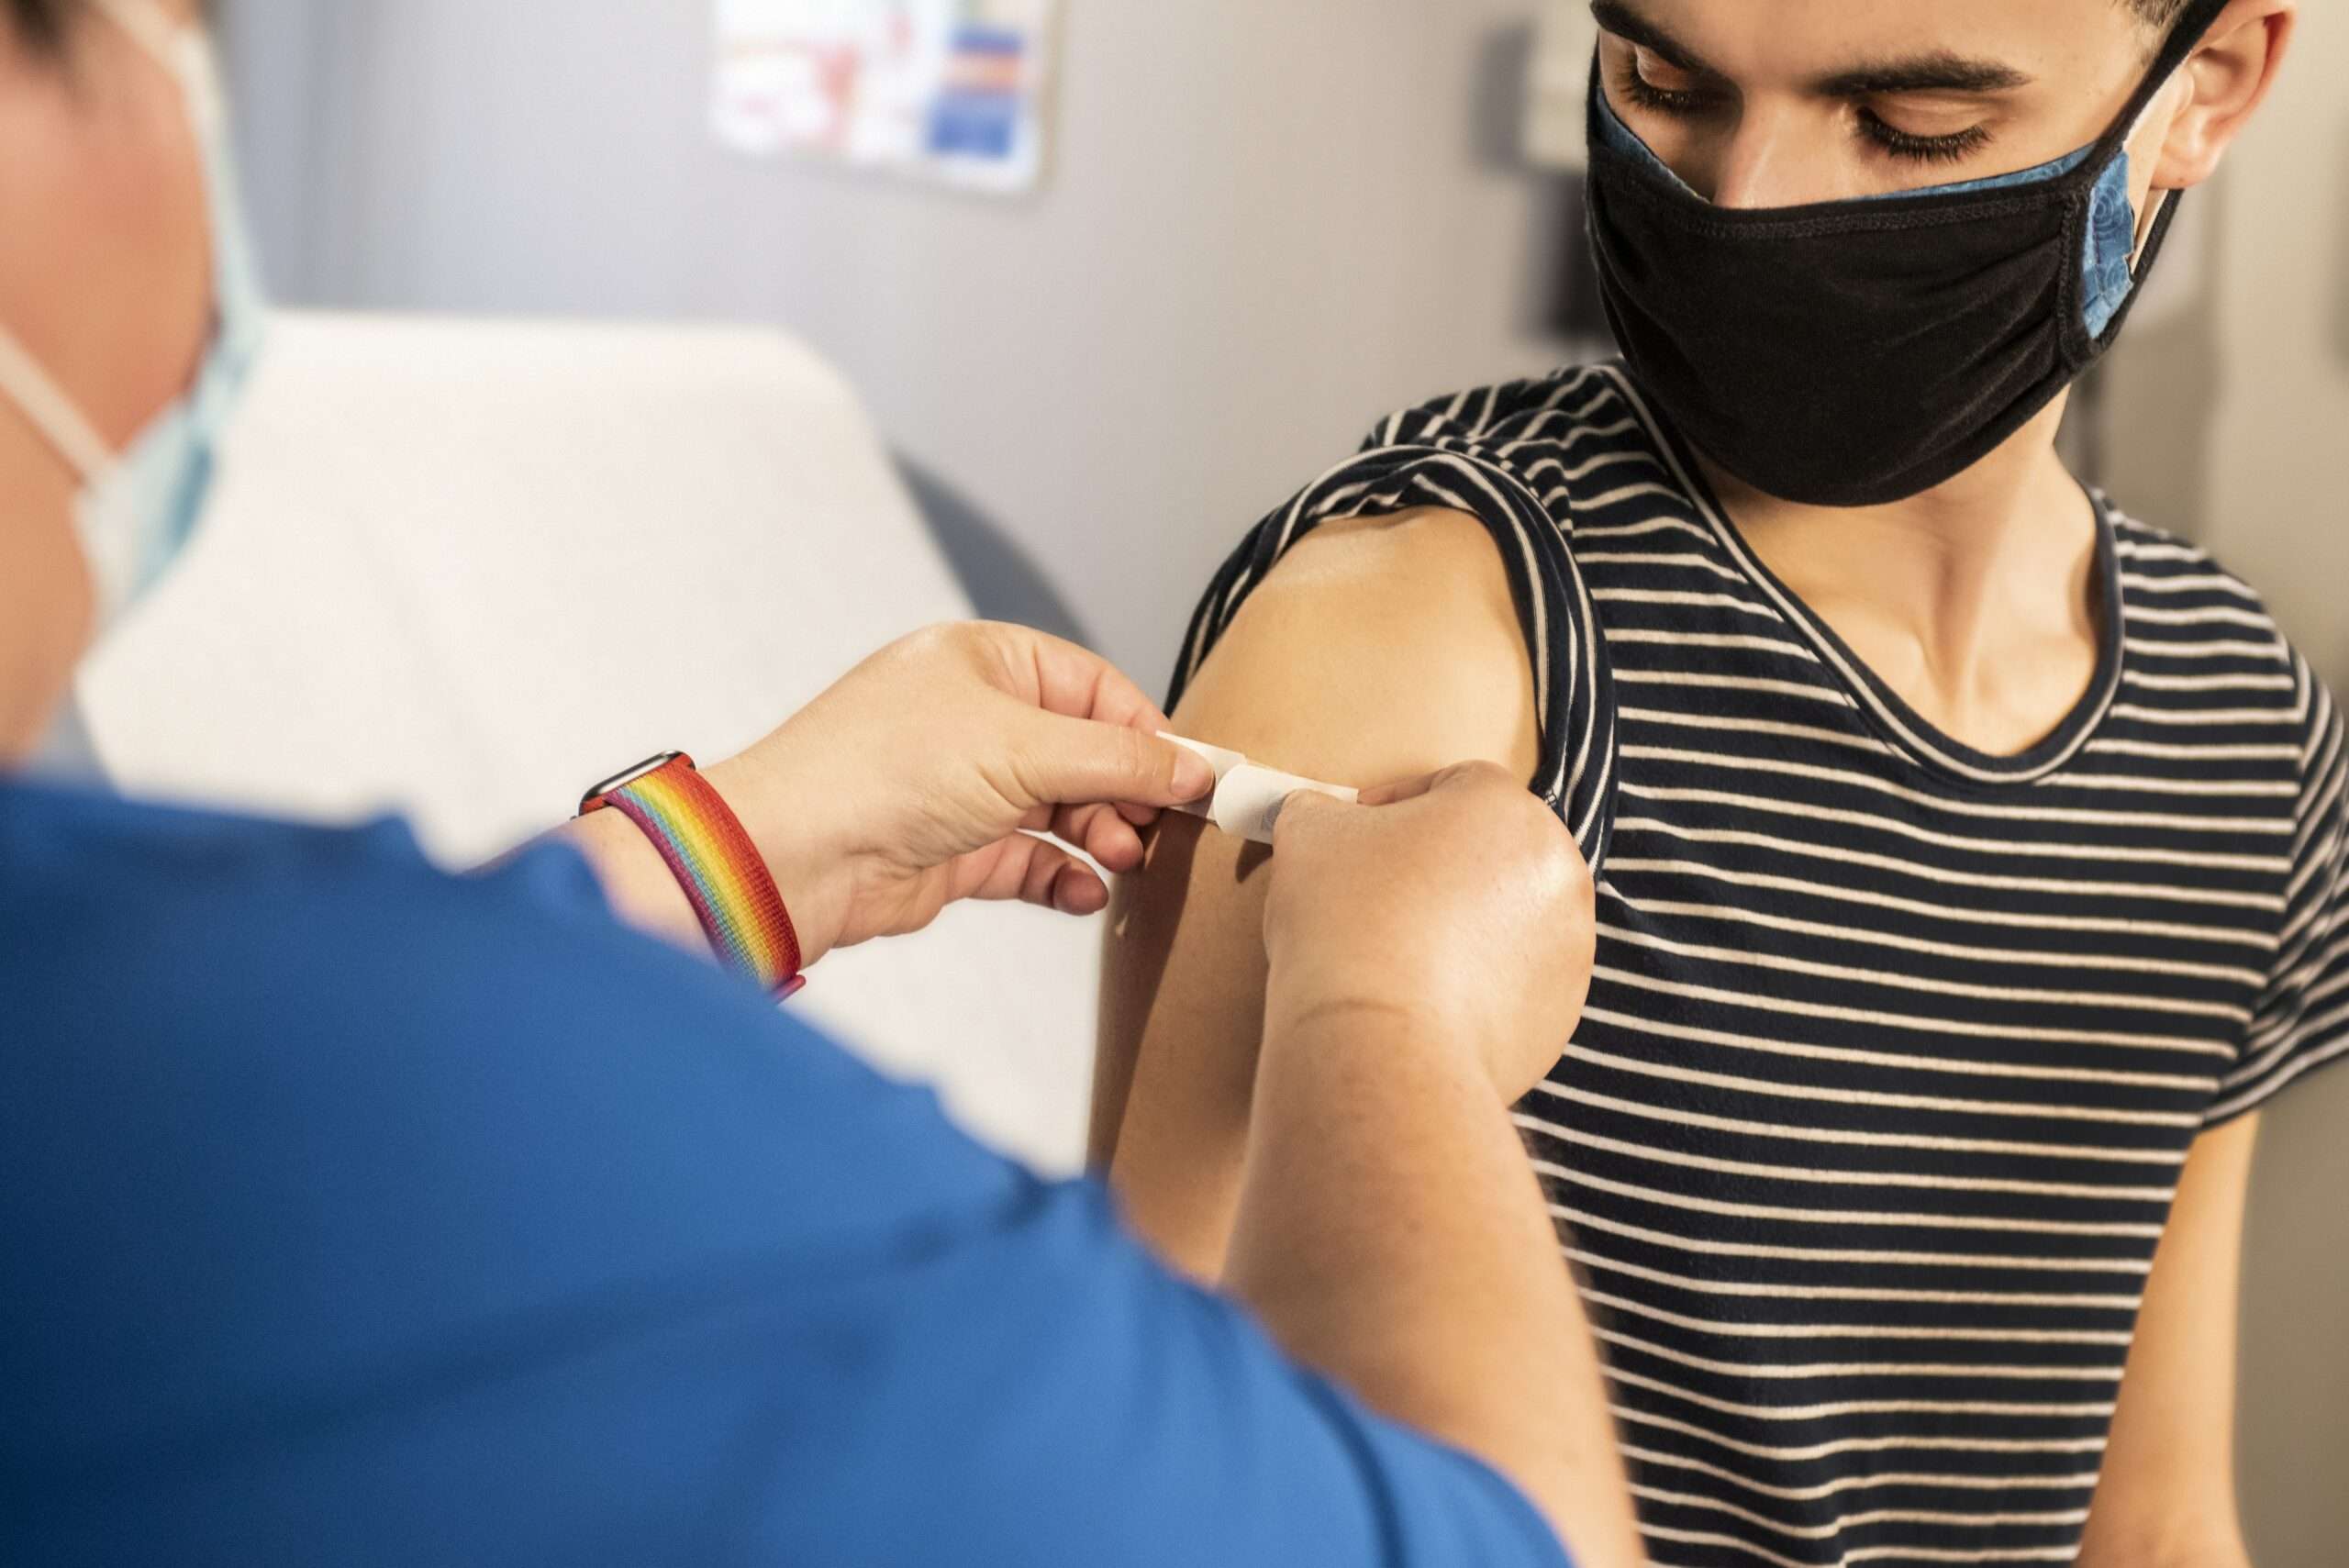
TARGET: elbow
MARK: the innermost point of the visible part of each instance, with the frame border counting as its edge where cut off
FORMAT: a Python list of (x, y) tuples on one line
[(2182, 1544), (2216, 1554)]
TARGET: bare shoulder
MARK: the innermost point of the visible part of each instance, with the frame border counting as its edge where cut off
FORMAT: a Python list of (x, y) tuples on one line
[(1378, 649), (1375, 650)]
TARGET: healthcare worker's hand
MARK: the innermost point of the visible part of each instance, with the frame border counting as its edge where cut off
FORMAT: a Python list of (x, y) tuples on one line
[(906, 786), (1459, 899)]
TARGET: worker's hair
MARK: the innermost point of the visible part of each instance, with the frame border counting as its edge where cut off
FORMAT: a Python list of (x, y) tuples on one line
[(2158, 13), (40, 23)]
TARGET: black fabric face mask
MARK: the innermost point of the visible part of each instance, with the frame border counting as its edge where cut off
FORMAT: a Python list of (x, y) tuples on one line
[(1851, 353)]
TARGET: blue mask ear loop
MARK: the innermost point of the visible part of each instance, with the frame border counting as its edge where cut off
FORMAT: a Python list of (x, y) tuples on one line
[(2116, 233), (139, 508)]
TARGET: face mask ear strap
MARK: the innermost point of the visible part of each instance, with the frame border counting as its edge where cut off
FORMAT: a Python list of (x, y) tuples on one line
[(181, 48), (149, 27), (52, 413), (2192, 27), (2155, 210)]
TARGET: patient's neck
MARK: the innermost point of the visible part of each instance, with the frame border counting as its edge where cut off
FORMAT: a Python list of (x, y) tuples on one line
[(1977, 601), (45, 596)]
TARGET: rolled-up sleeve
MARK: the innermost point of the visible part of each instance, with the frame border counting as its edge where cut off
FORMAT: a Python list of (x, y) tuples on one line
[(2302, 1020)]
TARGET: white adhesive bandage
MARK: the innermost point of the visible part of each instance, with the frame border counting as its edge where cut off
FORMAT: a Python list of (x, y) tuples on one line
[(1248, 798)]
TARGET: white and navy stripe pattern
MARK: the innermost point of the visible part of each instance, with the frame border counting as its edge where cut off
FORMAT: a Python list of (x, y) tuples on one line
[(1895, 1050)]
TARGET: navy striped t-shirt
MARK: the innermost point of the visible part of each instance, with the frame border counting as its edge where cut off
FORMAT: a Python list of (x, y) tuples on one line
[(1895, 1050)]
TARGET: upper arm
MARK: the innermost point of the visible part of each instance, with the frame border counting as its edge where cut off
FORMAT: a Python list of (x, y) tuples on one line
[(2166, 1494), (1376, 649)]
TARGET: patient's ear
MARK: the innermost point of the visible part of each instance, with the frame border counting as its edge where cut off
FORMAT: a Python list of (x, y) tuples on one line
[(2228, 78)]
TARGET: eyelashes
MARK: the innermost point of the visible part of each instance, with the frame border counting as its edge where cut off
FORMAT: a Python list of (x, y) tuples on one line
[(1679, 104), (1639, 90), (1951, 149), (1661, 99)]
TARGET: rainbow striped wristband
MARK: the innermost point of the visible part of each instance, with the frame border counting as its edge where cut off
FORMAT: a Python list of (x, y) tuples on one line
[(714, 861)]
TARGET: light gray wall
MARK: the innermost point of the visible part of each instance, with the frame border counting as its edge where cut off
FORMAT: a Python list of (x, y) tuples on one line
[(1269, 222), (2227, 421), (2231, 423)]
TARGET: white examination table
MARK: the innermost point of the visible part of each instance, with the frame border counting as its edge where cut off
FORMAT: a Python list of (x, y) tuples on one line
[(461, 570)]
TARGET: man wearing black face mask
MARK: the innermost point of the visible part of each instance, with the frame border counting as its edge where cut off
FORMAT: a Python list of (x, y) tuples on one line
[(1971, 856)]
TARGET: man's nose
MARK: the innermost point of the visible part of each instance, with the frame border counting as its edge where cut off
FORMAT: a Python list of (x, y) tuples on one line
[(1773, 158)]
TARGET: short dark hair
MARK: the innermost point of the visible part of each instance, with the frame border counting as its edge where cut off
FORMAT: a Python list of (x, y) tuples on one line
[(41, 23), (2158, 13)]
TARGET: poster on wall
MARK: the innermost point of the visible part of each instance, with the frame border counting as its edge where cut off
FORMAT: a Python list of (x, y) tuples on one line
[(954, 90)]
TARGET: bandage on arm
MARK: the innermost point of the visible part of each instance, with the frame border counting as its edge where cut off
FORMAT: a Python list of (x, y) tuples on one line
[(1372, 652), (1249, 795)]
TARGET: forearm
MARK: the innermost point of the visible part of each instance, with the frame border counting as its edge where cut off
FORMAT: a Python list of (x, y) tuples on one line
[(2167, 1497), (1392, 1235), (644, 892)]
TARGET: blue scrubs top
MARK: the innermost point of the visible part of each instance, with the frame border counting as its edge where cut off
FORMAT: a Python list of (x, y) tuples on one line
[(354, 1214)]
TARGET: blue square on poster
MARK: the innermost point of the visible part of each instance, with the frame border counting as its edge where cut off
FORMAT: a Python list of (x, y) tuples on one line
[(975, 125), (978, 110)]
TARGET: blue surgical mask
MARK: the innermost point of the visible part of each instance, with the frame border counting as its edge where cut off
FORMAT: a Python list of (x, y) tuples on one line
[(138, 508)]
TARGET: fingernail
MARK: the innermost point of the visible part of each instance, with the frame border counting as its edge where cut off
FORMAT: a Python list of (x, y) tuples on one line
[(1194, 779)]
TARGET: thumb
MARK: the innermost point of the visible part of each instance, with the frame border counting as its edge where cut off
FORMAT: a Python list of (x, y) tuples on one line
[(1303, 812), (1082, 761)]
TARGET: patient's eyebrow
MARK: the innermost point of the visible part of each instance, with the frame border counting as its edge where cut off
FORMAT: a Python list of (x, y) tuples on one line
[(1633, 28), (1939, 72), (1936, 70)]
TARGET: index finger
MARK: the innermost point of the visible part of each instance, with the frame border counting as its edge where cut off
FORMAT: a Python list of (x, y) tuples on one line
[(1401, 790), (1076, 683), (1458, 775)]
